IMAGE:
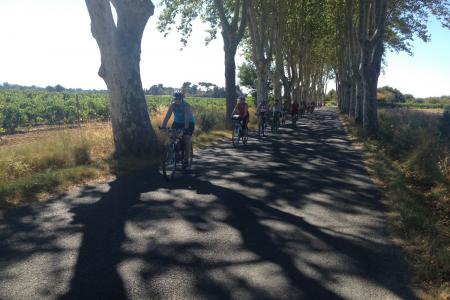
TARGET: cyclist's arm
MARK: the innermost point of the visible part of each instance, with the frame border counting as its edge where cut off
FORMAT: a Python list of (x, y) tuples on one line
[(234, 110), (167, 117)]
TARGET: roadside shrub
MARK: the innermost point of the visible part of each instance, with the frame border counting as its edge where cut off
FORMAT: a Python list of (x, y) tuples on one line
[(206, 122), (209, 119), (414, 139), (423, 163), (444, 124), (82, 154)]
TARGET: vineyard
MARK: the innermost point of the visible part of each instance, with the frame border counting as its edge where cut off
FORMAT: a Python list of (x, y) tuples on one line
[(25, 109)]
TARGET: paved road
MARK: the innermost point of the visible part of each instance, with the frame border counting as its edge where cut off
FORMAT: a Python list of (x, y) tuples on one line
[(292, 216)]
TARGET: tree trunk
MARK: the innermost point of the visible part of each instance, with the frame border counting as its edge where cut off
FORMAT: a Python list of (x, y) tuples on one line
[(371, 73), (287, 90), (262, 91), (288, 80), (232, 33), (120, 49), (259, 29), (276, 86), (372, 21), (230, 81), (370, 113), (359, 100), (352, 104), (348, 91), (279, 69)]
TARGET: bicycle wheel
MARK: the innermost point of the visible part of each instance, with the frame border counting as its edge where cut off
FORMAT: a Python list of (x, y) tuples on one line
[(169, 163), (274, 125), (235, 136)]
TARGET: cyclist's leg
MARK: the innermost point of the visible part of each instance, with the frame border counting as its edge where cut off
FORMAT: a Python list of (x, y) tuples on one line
[(187, 138), (245, 122), (260, 120), (241, 126), (263, 120)]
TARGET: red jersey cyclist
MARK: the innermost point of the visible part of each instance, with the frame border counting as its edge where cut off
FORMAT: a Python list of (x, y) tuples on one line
[(294, 110), (241, 109)]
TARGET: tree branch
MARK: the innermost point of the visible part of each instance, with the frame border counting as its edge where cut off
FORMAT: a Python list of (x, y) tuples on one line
[(223, 18), (243, 23), (237, 7), (102, 21)]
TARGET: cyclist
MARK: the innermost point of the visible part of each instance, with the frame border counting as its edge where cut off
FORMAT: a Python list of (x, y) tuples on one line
[(182, 119), (285, 111), (302, 109), (294, 110), (241, 109), (261, 111), (277, 111)]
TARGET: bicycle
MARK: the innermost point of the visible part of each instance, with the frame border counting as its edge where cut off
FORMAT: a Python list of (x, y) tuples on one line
[(174, 153), (276, 122), (239, 132), (294, 119), (261, 125), (283, 117)]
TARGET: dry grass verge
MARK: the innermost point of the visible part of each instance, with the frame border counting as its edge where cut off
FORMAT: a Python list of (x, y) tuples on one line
[(411, 162), (41, 162)]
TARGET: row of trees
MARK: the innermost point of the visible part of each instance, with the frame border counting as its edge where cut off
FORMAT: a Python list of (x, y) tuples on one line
[(202, 89), (297, 45), (49, 88), (364, 29)]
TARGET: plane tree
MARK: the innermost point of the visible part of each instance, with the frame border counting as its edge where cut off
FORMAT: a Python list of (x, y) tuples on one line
[(120, 50)]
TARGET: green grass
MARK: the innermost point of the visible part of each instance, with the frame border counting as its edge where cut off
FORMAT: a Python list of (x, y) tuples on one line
[(411, 160), (29, 188)]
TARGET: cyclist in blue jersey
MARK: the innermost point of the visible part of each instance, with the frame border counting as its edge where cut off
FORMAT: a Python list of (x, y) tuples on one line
[(182, 119)]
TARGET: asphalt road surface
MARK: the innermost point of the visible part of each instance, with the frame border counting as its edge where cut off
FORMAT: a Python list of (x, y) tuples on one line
[(291, 216)]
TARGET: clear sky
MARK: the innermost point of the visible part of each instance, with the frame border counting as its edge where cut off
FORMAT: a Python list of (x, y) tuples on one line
[(48, 42)]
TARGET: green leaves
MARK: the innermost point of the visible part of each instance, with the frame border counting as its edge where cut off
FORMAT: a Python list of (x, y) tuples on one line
[(182, 13)]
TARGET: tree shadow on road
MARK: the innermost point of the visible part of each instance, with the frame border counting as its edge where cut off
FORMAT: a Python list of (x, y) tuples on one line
[(235, 228)]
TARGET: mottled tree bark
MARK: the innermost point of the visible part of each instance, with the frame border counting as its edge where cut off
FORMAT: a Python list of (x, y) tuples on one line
[(259, 28), (120, 49), (359, 100), (372, 21), (232, 33)]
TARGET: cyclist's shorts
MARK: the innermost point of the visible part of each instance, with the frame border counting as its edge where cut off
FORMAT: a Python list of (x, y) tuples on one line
[(189, 131)]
